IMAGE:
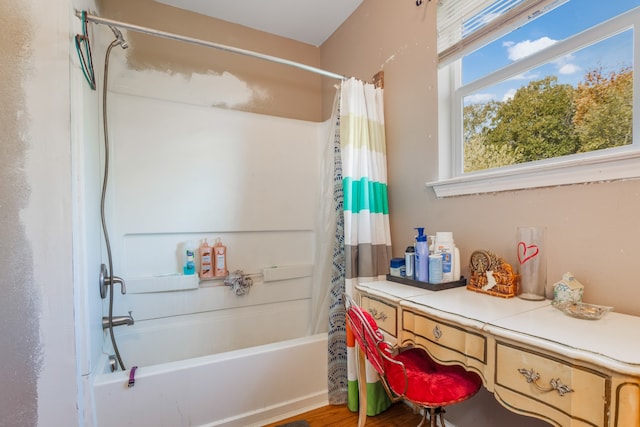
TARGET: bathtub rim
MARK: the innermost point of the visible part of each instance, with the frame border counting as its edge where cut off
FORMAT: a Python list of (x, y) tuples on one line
[(102, 376)]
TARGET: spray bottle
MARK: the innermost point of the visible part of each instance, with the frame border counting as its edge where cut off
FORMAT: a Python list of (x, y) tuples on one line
[(422, 256)]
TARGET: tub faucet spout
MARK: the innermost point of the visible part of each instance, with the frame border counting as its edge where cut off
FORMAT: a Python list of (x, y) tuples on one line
[(117, 321)]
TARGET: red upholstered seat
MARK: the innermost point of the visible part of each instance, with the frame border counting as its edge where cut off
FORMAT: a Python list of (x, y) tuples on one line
[(429, 383), (410, 374)]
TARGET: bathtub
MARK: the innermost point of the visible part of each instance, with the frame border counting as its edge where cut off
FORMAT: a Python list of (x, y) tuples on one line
[(213, 369)]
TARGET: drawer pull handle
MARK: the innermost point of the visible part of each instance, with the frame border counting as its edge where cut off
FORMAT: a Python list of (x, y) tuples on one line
[(437, 333), (378, 315), (554, 384)]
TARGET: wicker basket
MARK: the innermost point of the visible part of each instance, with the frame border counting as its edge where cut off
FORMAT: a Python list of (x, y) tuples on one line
[(506, 281)]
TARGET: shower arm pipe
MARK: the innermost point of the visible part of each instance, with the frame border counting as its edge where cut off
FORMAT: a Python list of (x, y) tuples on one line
[(178, 37)]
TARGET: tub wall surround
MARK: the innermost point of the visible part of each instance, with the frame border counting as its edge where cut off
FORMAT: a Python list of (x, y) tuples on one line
[(180, 172)]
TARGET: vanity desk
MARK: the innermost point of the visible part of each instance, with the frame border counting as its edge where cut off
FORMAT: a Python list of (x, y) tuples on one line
[(536, 360)]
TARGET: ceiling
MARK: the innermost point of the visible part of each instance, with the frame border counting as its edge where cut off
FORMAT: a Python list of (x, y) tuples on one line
[(308, 21)]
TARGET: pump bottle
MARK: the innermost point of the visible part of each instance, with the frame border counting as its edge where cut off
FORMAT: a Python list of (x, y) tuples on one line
[(422, 256)]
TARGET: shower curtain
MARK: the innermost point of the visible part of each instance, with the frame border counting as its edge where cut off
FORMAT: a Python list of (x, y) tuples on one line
[(367, 237)]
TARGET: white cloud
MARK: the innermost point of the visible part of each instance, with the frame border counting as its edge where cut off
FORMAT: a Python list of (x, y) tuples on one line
[(566, 66), (479, 98), (569, 69), (516, 51), (509, 95)]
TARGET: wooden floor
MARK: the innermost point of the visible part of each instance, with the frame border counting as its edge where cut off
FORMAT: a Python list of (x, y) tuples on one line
[(397, 415)]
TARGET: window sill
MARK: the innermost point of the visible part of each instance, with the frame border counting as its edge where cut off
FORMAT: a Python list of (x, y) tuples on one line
[(621, 164)]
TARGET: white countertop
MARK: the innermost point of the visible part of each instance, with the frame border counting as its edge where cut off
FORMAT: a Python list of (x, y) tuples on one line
[(480, 307), (615, 336)]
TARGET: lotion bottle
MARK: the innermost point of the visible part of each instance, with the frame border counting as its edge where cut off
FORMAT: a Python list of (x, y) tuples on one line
[(206, 260), (422, 256), (220, 259)]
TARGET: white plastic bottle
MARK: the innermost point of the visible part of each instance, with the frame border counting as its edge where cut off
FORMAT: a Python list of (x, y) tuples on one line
[(422, 256), (445, 247)]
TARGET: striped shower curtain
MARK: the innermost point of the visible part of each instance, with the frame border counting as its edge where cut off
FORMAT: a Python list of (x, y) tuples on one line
[(367, 238)]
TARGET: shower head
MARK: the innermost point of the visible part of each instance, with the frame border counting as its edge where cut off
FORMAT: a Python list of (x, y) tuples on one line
[(119, 37)]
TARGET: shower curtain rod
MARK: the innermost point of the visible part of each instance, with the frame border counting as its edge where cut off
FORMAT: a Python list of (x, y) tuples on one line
[(172, 36)]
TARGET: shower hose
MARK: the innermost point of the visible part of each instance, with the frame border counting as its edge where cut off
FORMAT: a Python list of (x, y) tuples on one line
[(118, 41)]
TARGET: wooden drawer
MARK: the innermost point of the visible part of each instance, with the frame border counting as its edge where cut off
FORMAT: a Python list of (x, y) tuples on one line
[(445, 341), (383, 312), (578, 394)]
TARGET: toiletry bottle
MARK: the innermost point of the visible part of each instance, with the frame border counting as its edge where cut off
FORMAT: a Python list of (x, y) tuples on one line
[(206, 261), (220, 259), (189, 259), (409, 262), (435, 269), (422, 256), (445, 247)]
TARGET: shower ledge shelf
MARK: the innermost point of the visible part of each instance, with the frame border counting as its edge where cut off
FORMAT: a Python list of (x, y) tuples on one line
[(162, 283)]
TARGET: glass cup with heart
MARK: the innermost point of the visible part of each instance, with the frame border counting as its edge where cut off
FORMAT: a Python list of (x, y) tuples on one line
[(532, 258)]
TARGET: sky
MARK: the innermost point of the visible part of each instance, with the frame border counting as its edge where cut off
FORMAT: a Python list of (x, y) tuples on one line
[(562, 22)]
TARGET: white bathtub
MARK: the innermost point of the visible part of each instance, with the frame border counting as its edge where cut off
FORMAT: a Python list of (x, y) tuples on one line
[(188, 376)]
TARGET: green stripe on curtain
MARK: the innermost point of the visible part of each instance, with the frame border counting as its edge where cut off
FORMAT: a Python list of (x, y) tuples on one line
[(365, 195)]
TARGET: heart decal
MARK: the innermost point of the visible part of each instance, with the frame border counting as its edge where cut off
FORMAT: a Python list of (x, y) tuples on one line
[(525, 253)]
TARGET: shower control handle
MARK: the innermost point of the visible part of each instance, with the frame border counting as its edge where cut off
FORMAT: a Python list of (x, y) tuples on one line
[(105, 280)]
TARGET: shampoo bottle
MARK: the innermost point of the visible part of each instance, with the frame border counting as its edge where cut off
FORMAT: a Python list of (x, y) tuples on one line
[(422, 256), (220, 259), (206, 260)]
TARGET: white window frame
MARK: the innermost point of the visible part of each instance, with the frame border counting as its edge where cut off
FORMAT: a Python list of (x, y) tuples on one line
[(603, 165)]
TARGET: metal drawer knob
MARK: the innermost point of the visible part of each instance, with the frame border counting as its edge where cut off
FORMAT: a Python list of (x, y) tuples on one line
[(437, 333)]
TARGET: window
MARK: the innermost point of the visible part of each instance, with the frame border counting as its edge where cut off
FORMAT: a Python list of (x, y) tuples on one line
[(536, 93)]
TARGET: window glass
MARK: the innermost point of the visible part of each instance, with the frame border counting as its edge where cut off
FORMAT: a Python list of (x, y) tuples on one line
[(580, 102), (572, 102)]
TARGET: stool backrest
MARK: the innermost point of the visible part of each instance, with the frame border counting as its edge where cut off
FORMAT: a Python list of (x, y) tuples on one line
[(367, 334)]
